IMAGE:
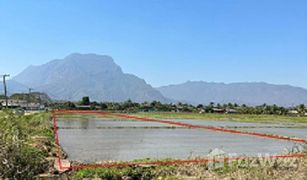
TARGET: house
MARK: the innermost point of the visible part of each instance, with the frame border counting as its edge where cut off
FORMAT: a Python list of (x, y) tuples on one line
[(34, 107), (231, 111), (293, 112), (83, 107), (202, 111), (12, 103), (218, 110)]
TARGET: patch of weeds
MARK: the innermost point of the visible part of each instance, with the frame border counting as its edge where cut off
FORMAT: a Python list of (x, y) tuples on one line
[(116, 173), (20, 158)]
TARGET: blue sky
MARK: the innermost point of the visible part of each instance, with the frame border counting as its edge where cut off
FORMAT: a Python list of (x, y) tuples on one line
[(163, 41)]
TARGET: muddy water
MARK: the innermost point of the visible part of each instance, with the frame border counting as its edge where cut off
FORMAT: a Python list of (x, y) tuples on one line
[(239, 124), (99, 140), (289, 132)]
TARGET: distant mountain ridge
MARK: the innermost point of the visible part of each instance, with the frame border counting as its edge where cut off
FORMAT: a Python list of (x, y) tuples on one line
[(200, 92), (79, 75), (100, 78)]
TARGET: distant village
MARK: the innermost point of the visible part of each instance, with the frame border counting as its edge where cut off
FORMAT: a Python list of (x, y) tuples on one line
[(22, 104), (36, 101), (26, 101)]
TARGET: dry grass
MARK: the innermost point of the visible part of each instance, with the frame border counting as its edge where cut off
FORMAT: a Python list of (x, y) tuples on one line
[(292, 168), (283, 170)]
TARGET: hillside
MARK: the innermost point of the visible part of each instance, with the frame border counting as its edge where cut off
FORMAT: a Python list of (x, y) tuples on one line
[(13, 87), (243, 93)]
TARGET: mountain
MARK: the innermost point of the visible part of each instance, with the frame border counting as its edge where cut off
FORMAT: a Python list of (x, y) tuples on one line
[(96, 76), (242, 93), (13, 87)]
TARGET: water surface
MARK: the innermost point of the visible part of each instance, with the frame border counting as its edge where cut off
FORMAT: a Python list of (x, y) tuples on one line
[(101, 139)]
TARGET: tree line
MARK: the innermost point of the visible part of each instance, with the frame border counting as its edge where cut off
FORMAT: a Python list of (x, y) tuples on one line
[(156, 106)]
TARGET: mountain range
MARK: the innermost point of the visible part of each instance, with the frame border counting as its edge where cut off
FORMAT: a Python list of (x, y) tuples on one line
[(100, 78), (256, 93)]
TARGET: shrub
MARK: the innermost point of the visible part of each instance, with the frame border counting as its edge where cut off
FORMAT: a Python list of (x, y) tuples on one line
[(18, 159)]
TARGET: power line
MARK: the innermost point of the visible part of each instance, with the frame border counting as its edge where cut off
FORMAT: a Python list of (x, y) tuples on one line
[(5, 88)]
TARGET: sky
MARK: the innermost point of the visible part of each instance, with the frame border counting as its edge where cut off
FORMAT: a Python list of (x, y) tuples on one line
[(163, 41)]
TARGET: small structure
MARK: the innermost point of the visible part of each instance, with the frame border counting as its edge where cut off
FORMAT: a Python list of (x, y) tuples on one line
[(202, 111), (231, 111), (83, 107), (34, 107), (218, 110), (293, 112), (13, 104), (147, 108)]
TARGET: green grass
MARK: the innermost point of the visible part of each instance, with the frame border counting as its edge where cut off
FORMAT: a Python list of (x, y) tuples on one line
[(225, 117), (244, 169), (206, 116), (25, 143)]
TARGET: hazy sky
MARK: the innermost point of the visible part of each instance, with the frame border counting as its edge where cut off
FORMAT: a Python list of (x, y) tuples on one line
[(163, 41)]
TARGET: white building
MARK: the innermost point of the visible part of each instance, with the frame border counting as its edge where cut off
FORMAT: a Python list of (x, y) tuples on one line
[(22, 104)]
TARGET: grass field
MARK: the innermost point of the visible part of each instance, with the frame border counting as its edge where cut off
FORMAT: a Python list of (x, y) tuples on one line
[(206, 116), (225, 117)]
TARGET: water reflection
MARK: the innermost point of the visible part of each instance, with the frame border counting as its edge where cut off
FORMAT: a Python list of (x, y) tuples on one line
[(84, 142)]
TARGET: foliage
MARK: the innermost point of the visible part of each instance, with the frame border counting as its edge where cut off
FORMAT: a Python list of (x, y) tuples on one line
[(85, 101), (116, 173), (224, 117), (34, 97), (156, 106), (20, 158), (242, 169), (129, 172)]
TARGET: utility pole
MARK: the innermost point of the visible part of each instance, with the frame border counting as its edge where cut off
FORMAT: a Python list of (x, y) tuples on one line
[(29, 97), (5, 88)]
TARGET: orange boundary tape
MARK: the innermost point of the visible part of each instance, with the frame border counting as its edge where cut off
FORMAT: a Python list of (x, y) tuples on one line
[(212, 128)]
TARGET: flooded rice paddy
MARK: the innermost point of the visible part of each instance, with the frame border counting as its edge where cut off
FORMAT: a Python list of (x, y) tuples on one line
[(95, 139)]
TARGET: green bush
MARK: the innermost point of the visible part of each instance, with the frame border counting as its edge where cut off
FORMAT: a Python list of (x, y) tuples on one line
[(116, 173), (19, 159)]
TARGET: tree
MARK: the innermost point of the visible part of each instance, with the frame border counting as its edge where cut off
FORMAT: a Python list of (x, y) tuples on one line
[(85, 101), (69, 105), (200, 106), (103, 106), (301, 109), (230, 105), (211, 104)]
